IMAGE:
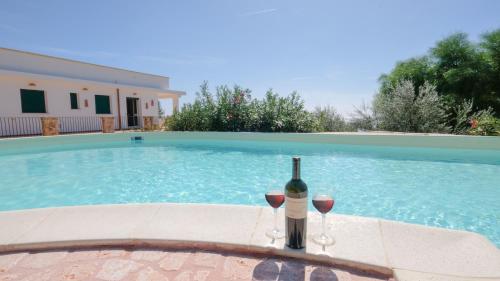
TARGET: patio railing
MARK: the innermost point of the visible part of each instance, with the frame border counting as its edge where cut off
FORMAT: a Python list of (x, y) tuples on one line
[(79, 124), (32, 126), (20, 126)]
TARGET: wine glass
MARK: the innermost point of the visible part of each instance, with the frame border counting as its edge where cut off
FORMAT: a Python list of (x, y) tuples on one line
[(323, 202), (275, 198)]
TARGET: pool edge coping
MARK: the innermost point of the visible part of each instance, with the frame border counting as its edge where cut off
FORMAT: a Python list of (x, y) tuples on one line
[(375, 139), (207, 226)]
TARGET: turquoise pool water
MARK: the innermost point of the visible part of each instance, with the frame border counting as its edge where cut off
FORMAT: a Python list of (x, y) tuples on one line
[(450, 188)]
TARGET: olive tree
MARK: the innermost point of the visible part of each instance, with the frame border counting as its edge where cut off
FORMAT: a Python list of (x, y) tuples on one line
[(401, 109)]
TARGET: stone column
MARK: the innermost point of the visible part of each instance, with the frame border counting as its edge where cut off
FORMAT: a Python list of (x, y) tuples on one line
[(175, 104), (148, 123), (50, 126), (108, 124)]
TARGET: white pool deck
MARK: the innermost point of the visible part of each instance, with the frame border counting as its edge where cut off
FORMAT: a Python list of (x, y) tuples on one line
[(405, 251)]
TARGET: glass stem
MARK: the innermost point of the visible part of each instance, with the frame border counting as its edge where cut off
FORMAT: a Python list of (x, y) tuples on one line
[(275, 219), (323, 225)]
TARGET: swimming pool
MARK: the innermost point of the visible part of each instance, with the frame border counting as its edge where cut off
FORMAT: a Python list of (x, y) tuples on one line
[(452, 188)]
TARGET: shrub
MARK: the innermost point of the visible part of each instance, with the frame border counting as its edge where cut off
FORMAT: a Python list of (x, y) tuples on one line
[(328, 120), (400, 109), (363, 118), (459, 118), (235, 110), (463, 120), (485, 124)]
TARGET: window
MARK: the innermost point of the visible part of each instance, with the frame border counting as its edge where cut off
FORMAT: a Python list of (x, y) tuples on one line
[(102, 105), (74, 100), (32, 101)]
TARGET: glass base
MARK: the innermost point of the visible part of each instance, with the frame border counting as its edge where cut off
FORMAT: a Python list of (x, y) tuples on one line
[(323, 239), (275, 233)]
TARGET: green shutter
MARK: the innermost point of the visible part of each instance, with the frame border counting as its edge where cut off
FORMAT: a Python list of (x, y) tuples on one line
[(74, 100), (102, 105), (32, 101)]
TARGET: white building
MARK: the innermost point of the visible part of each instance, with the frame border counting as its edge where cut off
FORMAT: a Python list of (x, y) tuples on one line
[(77, 93)]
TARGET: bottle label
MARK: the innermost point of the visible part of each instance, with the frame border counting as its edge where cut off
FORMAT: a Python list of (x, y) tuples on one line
[(296, 208)]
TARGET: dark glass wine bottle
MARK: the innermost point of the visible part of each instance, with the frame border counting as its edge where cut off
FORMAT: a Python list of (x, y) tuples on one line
[(296, 209)]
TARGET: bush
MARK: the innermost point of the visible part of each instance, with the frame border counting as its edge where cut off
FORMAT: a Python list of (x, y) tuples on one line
[(459, 118), (235, 110), (328, 120), (463, 120), (402, 110), (363, 118), (485, 124)]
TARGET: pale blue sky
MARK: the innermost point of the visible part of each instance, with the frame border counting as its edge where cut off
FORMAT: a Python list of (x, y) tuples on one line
[(331, 52)]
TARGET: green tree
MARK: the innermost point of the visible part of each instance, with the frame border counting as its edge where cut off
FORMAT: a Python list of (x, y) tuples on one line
[(460, 69), (490, 45), (416, 70), (461, 72)]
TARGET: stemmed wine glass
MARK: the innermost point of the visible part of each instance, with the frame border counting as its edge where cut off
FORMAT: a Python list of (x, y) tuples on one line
[(275, 198), (323, 202)]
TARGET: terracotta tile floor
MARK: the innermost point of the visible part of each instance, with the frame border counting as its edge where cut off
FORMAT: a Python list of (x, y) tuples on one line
[(150, 264)]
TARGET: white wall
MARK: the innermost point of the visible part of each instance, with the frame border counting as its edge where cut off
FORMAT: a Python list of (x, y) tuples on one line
[(57, 97), (57, 100), (40, 64)]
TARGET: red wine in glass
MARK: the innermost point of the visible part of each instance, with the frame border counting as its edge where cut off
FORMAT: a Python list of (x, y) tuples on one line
[(323, 203), (275, 198)]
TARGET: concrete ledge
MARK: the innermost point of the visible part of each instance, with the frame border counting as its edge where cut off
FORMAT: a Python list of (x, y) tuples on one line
[(412, 252), (376, 139), (435, 250), (406, 275)]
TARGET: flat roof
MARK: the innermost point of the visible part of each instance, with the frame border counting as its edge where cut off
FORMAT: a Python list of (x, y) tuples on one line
[(162, 93), (81, 62)]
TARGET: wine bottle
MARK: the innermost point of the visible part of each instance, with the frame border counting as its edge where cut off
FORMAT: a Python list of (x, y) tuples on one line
[(296, 209)]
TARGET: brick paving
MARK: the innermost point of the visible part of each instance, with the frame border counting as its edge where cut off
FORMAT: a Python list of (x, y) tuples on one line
[(154, 264)]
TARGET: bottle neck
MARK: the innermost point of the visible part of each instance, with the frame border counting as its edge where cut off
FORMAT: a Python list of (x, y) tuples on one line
[(296, 169)]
